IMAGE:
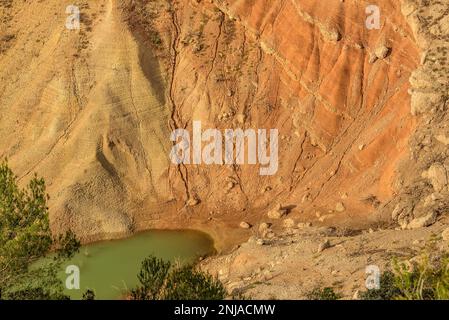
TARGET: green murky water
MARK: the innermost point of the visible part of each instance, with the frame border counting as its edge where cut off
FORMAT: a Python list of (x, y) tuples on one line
[(111, 267)]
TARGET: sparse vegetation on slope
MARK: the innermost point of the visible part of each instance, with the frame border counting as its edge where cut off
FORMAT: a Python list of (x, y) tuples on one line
[(25, 237), (424, 279), (160, 280)]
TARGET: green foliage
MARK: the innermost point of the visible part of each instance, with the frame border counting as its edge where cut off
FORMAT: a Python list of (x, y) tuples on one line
[(427, 279), (25, 237), (89, 295), (189, 283), (152, 277), (159, 280), (388, 289), (424, 280), (323, 294)]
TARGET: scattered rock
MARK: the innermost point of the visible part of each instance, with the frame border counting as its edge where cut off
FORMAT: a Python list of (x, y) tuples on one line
[(245, 225), (326, 217), (326, 244), (270, 235), (264, 227), (422, 222), (330, 34), (303, 225), (266, 189), (431, 199), (437, 175), (229, 186), (402, 212), (340, 207), (382, 51), (445, 234), (192, 202), (277, 212), (289, 223), (240, 118), (372, 58), (260, 242), (306, 198), (421, 102), (252, 239), (443, 139)]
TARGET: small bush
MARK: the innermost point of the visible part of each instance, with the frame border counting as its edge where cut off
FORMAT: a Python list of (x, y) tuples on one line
[(388, 289), (89, 295), (25, 238), (159, 280), (327, 293), (427, 279)]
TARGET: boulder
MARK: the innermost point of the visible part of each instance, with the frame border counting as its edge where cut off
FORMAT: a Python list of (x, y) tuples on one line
[(277, 212), (289, 223), (192, 202), (340, 207), (437, 175), (445, 234), (303, 225), (245, 225), (382, 51), (422, 222), (326, 244)]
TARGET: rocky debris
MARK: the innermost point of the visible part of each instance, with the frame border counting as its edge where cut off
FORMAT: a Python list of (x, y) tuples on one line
[(402, 212), (263, 227), (326, 217), (421, 222), (245, 225), (260, 242), (431, 199), (330, 34), (382, 51), (437, 175), (230, 185), (422, 102), (326, 244), (266, 189), (270, 234), (306, 198), (340, 207), (240, 118), (443, 139), (445, 234), (372, 58), (192, 202), (303, 225), (277, 212), (289, 223)]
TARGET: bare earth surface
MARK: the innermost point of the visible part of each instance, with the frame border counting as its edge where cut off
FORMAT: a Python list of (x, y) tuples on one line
[(362, 116)]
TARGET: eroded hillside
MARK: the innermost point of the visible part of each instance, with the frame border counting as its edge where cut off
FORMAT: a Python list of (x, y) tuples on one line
[(92, 110)]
